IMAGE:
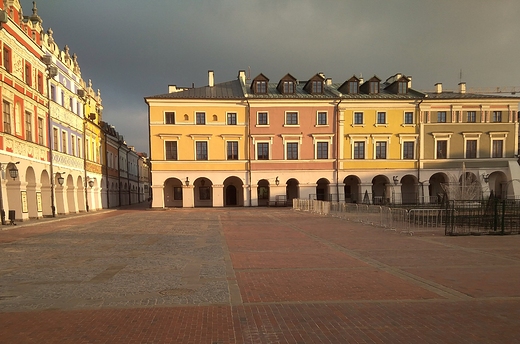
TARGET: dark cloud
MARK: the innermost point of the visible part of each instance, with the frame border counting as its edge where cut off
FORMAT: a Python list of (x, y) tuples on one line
[(131, 49)]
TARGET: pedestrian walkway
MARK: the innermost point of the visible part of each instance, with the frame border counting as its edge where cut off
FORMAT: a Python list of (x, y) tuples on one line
[(246, 275)]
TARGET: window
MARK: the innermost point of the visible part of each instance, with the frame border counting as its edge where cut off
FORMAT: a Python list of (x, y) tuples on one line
[(471, 149), (262, 151), (292, 151), (261, 87), (408, 150), (169, 118), (40, 131), (171, 150), (232, 150), (403, 87), (64, 142), (73, 145), (498, 146), (62, 98), (317, 87), (322, 118), (497, 116), (288, 87), (358, 118), (7, 59), (262, 118), (7, 117), (322, 150), (55, 143), (291, 118), (79, 147), (374, 87), (408, 118), (53, 92), (380, 150), (353, 87), (441, 117), (200, 118), (177, 193), (359, 150), (202, 150), (28, 69), (232, 119), (28, 126), (381, 118), (40, 82), (442, 149), (472, 116)]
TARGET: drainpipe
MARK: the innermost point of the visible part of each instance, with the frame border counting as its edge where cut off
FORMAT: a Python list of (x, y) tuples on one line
[(337, 148), (249, 153)]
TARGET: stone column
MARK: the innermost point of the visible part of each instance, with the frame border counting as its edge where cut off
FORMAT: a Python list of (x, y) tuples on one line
[(188, 200), (158, 196), (424, 190), (218, 195), (246, 189), (254, 195)]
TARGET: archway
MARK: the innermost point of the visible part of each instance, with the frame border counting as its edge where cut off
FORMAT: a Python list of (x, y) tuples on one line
[(351, 189), (380, 192), (71, 194), (435, 188), (203, 192), (263, 193), (44, 199), (322, 190), (409, 190), (233, 192), (32, 198), (470, 188), (173, 193), (292, 190), (498, 185)]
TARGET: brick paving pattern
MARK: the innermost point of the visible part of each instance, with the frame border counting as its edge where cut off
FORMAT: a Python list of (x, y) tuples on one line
[(251, 276)]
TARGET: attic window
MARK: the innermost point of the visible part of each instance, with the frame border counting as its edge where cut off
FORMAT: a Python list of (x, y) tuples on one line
[(288, 87), (403, 87), (317, 86), (374, 87), (261, 87), (353, 87)]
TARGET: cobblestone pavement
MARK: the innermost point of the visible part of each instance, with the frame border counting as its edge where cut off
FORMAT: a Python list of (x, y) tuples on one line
[(251, 276)]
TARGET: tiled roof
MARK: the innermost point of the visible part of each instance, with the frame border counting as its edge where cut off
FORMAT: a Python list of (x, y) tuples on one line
[(225, 90), (458, 95), (300, 93), (383, 94)]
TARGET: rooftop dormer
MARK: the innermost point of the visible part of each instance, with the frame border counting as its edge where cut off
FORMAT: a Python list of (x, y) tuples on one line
[(398, 85), (315, 84), (371, 86), (259, 84), (351, 86), (287, 84)]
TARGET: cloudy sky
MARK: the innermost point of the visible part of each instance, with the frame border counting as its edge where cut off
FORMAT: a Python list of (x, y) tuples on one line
[(136, 48)]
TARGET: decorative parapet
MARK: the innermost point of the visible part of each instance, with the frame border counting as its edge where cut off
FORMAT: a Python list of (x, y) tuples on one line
[(23, 148)]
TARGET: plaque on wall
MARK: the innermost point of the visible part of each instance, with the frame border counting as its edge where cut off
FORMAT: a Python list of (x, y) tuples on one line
[(25, 209)]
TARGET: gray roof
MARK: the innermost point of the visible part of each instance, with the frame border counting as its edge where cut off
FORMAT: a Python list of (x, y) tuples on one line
[(383, 94), (300, 93), (457, 95), (225, 90)]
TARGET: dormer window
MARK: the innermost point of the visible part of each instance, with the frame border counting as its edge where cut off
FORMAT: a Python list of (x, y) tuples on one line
[(374, 87), (317, 87), (288, 87), (261, 87), (403, 87), (353, 87)]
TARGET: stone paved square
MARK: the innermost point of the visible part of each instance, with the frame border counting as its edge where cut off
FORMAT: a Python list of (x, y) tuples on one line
[(251, 276)]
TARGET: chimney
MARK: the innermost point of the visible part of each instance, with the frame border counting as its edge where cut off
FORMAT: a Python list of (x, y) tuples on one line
[(438, 87), (172, 88), (409, 81), (462, 87), (242, 76), (211, 78), (328, 81)]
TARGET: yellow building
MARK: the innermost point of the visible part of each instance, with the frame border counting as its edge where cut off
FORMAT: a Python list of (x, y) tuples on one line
[(198, 144)]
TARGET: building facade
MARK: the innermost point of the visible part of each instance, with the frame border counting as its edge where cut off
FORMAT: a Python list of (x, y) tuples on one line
[(360, 141)]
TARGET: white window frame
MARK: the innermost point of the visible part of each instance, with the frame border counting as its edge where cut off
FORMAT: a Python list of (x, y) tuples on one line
[(358, 138), (404, 119), (73, 146), (377, 124), (472, 136), (380, 138), (195, 150), (236, 117), (408, 138), (262, 125), (442, 137), (354, 124), (195, 117), (297, 119), (174, 119), (322, 138), (496, 136), (237, 140), (64, 144), (291, 138), (269, 144), (326, 119), (172, 139)]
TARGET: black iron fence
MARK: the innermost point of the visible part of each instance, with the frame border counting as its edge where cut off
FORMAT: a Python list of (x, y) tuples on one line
[(493, 216)]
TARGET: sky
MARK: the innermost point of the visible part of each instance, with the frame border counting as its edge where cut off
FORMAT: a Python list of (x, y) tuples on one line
[(131, 49)]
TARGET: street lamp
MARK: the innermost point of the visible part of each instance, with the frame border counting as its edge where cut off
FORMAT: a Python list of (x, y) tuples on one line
[(277, 181), (13, 173), (52, 72), (61, 180), (187, 182), (91, 183), (486, 177), (395, 179)]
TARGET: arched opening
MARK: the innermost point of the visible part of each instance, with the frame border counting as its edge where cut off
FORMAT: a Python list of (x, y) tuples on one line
[(409, 190), (470, 188), (322, 190), (380, 192), (292, 190), (233, 192), (203, 192), (173, 193), (435, 188), (498, 185), (32, 198), (351, 189), (71, 194), (263, 193)]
